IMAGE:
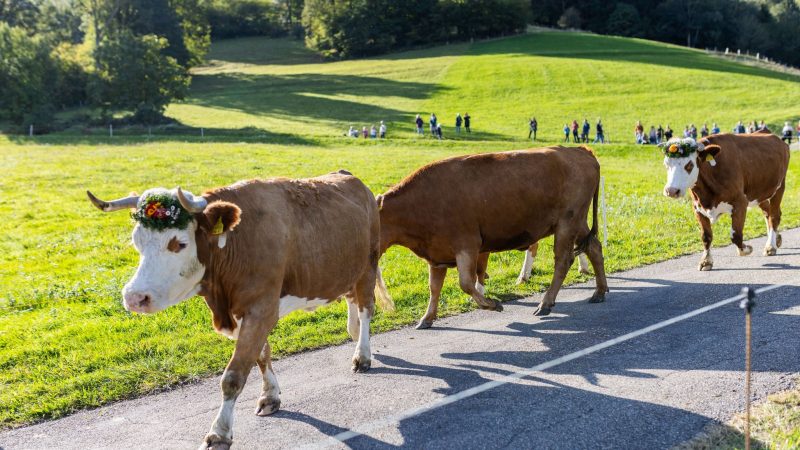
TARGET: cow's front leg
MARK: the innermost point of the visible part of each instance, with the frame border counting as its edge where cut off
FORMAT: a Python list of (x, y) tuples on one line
[(270, 400), (562, 247), (253, 334), (527, 264), (737, 228), (707, 235), (436, 278)]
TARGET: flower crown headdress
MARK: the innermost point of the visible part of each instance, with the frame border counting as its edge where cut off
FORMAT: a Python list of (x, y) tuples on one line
[(160, 211), (680, 148)]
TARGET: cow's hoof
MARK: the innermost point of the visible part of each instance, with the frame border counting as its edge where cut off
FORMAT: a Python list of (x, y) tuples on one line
[(598, 298), (585, 271), (778, 240), (770, 251), (424, 324), (361, 365), (267, 406), (705, 265), (497, 306), (213, 441), (746, 250), (542, 311)]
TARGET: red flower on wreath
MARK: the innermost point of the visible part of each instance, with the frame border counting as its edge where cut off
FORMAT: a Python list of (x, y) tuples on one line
[(152, 209)]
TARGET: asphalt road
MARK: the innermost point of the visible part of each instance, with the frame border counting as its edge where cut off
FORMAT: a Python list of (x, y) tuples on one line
[(650, 392)]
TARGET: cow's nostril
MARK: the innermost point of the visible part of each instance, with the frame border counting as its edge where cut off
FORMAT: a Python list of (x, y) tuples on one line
[(145, 300)]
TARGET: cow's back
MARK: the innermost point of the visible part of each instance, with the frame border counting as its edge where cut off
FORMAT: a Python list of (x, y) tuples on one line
[(320, 231), (755, 164), (508, 199)]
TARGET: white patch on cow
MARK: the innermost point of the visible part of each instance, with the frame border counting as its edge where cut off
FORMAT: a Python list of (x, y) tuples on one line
[(232, 334), (753, 203), (291, 303), (714, 213), (479, 287), (772, 238), (222, 240), (677, 176), (223, 424), (527, 265), (352, 320), (271, 388), (163, 276)]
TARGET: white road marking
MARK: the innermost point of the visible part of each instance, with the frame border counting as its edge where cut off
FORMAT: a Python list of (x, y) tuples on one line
[(413, 412)]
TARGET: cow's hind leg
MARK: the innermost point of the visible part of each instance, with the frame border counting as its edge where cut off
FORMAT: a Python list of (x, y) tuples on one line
[(737, 227), (483, 264), (772, 215), (352, 316), (467, 262), (527, 264), (365, 299), (563, 248), (436, 277), (270, 400), (594, 250)]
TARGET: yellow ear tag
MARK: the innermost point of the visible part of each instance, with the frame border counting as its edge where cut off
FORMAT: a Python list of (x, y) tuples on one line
[(709, 157), (217, 227)]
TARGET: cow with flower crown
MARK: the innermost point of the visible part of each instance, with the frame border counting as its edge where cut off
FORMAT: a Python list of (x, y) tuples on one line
[(257, 250), (726, 174)]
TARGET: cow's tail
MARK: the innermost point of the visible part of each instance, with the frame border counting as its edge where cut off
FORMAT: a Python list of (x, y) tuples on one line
[(584, 243), (382, 294)]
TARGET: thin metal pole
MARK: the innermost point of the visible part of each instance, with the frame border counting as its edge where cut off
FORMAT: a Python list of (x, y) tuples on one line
[(747, 304)]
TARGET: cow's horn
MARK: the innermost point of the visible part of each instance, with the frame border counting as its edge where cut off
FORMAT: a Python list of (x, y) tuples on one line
[(191, 203), (114, 205)]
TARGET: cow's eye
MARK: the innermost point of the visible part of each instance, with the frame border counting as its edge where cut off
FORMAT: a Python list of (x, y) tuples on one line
[(175, 245), (689, 167)]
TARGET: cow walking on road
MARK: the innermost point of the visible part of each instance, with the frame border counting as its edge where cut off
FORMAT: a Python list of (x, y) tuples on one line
[(726, 174), (455, 212), (256, 251)]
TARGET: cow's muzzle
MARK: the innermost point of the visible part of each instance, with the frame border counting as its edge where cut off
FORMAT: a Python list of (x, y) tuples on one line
[(138, 302), (672, 192)]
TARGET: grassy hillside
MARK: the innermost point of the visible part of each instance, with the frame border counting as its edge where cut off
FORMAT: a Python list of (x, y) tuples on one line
[(557, 77), (65, 340)]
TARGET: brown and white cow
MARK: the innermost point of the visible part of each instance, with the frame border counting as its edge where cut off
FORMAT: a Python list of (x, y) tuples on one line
[(726, 174), (455, 212), (257, 250)]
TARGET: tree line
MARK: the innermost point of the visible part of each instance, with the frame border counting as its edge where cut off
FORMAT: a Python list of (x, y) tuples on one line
[(133, 56)]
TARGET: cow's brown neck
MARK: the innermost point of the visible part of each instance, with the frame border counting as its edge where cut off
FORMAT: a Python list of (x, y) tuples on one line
[(210, 288), (706, 188)]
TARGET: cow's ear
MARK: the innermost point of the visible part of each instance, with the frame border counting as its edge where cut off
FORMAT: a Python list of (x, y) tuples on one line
[(709, 153), (221, 217)]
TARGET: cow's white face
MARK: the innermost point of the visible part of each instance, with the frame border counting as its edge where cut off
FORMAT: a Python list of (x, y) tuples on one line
[(169, 270), (682, 175)]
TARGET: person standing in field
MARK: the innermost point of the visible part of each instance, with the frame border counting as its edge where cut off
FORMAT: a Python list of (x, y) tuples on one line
[(533, 126), (693, 131), (638, 132), (585, 130), (364, 132), (668, 133), (704, 130), (433, 122), (653, 138), (458, 123), (439, 131), (787, 133), (566, 132), (686, 132), (373, 132), (467, 120), (418, 121), (659, 134), (762, 125), (599, 137), (575, 131), (383, 130), (715, 128)]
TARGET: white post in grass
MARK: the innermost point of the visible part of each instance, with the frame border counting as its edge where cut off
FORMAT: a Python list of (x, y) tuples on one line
[(30, 131), (110, 130), (603, 204)]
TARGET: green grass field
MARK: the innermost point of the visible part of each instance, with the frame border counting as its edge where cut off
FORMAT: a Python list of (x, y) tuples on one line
[(270, 108)]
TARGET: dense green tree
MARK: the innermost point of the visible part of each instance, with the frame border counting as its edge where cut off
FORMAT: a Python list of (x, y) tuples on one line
[(25, 75), (135, 75), (624, 21)]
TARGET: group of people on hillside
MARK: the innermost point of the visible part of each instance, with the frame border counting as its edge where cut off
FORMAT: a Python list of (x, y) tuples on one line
[(436, 126), (660, 134), (372, 132), (574, 129), (786, 132)]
